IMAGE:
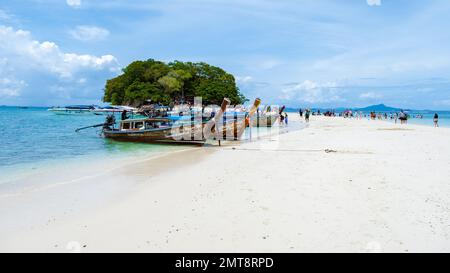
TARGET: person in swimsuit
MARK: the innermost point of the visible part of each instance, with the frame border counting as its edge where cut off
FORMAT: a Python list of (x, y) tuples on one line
[(436, 120)]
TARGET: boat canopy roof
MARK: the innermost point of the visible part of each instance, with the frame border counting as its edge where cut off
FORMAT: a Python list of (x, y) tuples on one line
[(157, 119), (80, 107)]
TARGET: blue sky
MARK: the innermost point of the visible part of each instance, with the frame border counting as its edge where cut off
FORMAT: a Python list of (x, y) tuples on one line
[(325, 53)]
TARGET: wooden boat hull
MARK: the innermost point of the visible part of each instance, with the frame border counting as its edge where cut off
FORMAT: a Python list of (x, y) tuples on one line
[(265, 120), (186, 134), (150, 136), (163, 130)]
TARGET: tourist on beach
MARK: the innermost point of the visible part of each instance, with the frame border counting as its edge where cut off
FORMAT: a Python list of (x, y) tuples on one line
[(436, 120), (286, 118), (124, 115), (307, 113), (281, 119), (300, 111), (403, 117)]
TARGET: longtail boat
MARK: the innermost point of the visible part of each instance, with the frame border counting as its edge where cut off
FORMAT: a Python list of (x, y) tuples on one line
[(267, 118), (152, 130), (190, 131), (72, 109)]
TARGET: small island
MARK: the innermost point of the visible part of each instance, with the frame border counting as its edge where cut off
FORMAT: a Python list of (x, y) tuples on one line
[(171, 83)]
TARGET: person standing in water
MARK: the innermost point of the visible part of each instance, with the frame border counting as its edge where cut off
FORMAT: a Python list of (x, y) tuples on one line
[(402, 117), (436, 120)]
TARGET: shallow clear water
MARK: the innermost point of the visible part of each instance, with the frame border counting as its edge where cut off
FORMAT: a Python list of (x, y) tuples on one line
[(34, 137), (444, 118)]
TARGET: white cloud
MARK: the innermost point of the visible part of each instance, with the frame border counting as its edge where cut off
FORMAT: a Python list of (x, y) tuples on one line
[(89, 33), (374, 2), (312, 92), (73, 3), (24, 52), (370, 96), (11, 87), (244, 79)]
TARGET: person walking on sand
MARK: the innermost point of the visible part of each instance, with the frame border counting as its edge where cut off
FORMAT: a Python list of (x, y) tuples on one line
[(281, 119), (300, 111), (307, 113), (436, 120), (286, 118)]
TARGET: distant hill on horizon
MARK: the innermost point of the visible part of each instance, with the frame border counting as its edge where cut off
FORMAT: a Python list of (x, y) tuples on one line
[(380, 108), (371, 108)]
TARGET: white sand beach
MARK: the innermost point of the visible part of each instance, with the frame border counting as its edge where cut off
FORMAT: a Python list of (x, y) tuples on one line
[(339, 185)]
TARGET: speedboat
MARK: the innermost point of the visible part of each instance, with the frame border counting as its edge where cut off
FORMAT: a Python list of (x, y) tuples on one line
[(72, 109), (106, 110), (90, 109)]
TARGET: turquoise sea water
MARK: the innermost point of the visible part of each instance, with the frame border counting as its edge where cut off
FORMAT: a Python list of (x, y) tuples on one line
[(444, 118), (33, 137), (427, 120)]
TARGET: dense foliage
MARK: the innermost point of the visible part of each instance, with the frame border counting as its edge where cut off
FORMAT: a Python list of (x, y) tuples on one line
[(159, 82)]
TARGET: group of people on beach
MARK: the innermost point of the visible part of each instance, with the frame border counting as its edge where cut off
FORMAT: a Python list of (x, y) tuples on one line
[(393, 116), (306, 113), (401, 116), (284, 118)]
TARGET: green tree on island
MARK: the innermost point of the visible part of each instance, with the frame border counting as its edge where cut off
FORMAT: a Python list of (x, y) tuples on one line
[(165, 83)]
